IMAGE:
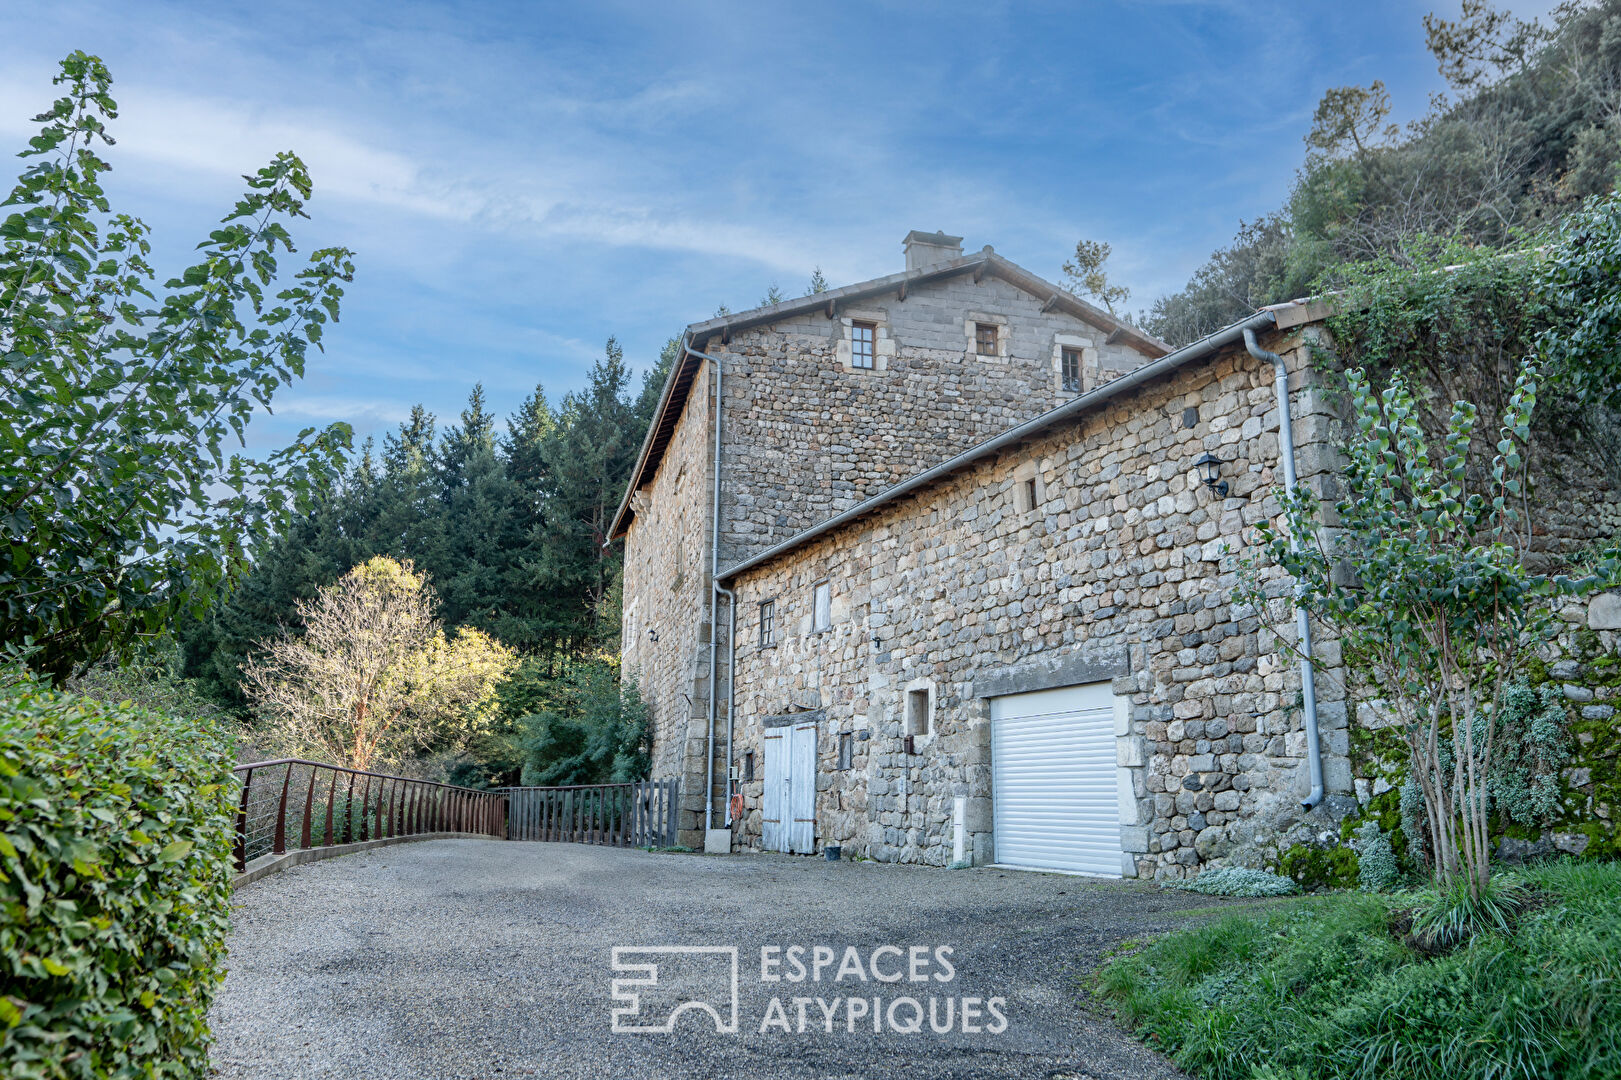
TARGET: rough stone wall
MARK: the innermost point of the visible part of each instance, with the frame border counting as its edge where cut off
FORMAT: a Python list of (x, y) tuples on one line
[(1116, 573), (806, 436), (1583, 663), (666, 591), (1575, 470)]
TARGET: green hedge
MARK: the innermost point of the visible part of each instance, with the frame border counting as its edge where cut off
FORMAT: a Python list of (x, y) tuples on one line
[(115, 879)]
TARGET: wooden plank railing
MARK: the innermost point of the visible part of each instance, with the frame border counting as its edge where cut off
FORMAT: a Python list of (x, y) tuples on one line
[(618, 815), (291, 804)]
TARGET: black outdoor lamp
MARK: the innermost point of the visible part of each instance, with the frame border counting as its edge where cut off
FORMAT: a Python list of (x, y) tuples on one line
[(1209, 468), (653, 635)]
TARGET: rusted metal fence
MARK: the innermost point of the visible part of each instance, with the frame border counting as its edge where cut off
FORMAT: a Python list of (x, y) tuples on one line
[(619, 815), (290, 803)]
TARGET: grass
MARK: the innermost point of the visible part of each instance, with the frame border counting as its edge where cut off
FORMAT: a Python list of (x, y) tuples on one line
[(1327, 987)]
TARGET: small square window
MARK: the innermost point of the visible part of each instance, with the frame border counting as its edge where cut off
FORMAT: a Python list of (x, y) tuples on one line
[(847, 750), (1072, 371), (917, 712), (985, 338), (822, 607), (863, 338), (768, 623)]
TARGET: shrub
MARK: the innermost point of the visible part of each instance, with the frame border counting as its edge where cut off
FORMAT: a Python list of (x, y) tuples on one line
[(1452, 915), (1524, 781), (115, 878), (1237, 881), (1376, 860)]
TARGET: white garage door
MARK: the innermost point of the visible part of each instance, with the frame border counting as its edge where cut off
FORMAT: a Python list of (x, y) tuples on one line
[(1053, 770)]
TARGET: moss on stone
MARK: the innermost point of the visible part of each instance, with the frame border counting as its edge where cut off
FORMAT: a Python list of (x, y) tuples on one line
[(1313, 867)]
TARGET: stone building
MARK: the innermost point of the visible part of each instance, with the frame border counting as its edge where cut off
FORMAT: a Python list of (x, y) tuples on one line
[(824, 401), (971, 568)]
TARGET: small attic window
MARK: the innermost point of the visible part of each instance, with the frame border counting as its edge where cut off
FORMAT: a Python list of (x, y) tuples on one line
[(1072, 371), (985, 339), (863, 339)]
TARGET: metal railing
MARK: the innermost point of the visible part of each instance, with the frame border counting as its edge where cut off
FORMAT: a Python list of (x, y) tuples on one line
[(291, 804), (617, 815)]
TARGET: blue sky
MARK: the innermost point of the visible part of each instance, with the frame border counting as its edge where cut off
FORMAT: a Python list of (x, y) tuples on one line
[(522, 180)]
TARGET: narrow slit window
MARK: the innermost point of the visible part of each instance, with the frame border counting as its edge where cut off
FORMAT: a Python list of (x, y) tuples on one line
[(1030, 493), (847, 750), (822, 607), (748, 767), (985, 338), (1072, 371), (768, 623), (863, 339), (917, 712)]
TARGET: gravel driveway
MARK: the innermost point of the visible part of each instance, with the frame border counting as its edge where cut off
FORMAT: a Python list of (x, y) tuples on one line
[(473, 958)]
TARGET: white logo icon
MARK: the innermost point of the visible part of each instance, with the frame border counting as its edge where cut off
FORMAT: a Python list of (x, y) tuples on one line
[(681, 977)]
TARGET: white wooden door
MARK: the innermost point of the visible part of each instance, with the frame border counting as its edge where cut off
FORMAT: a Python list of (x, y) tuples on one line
[(774, 797), (1054, 780), (802, 789)]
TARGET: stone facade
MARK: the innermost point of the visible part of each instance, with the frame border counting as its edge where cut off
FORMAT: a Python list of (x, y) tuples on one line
[(665, 629), (805, 435), (1117, 571)]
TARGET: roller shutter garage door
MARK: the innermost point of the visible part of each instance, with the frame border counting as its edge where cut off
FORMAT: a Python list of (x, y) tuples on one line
[(1054, 780)]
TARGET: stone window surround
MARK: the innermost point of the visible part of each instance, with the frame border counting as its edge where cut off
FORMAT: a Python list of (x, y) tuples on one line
[(1023, 474), (926, 685), (883, 346), (971, 323), (1089, 361)]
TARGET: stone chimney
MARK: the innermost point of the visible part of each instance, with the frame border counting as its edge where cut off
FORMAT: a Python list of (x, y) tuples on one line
[(926, 249)]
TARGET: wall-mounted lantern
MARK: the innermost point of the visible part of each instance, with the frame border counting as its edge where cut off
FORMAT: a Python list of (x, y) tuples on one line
[(1209, 468), (652, 635)]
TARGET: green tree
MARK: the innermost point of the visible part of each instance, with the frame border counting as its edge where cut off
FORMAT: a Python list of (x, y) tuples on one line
[(1084, 274), (1351, 117), (593, 729), (121, 507), (589, 456), (372, 677)]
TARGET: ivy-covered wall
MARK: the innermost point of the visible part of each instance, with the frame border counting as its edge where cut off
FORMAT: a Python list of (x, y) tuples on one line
[(1581, 671)]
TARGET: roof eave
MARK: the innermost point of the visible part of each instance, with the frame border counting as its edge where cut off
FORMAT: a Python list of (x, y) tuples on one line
[(620, 523)]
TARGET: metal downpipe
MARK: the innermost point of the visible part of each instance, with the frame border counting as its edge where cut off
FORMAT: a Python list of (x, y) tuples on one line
[(714, 605), (1308, 685), (731, 685)]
